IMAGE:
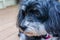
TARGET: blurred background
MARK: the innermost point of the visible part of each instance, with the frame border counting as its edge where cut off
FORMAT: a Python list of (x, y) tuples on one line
[(8, 15)]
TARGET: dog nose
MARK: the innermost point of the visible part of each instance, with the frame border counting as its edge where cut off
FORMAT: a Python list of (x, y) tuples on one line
[(23, 27)]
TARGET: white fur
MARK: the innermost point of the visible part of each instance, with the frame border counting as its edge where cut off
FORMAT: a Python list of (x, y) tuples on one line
[(22, 36), (23, 7)]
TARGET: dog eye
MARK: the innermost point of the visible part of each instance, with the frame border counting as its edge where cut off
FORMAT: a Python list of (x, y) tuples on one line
[(37, 14)]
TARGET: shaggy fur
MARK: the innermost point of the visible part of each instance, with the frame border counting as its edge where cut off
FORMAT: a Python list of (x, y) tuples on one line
[(37, 18)]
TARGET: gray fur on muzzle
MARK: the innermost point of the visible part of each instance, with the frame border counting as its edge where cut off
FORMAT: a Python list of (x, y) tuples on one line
[(34, 28)]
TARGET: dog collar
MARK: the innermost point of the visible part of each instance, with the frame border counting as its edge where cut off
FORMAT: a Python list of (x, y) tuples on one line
[(48, 36)]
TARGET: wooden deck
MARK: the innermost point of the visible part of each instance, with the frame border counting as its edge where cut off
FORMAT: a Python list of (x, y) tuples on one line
[(8, 29)]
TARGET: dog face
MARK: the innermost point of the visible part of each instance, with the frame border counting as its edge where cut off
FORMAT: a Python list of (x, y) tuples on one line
[(38, 18), (33, 19)]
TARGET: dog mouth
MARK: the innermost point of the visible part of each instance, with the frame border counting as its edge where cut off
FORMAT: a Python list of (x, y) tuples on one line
[(31, 32), (42, 36), (46, 37)]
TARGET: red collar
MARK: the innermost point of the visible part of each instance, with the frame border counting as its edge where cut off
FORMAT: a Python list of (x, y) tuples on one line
[(48, 36)]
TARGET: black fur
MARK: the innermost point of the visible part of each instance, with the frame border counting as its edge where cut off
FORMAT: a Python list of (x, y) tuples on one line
[(47, 12)]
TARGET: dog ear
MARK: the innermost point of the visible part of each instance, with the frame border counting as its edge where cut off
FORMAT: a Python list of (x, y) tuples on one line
[(20, 16), (22, 11), (24, 6), (54, 19)]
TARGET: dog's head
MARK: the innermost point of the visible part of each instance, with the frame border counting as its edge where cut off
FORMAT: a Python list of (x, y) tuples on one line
[(38, 18), (33, 17)]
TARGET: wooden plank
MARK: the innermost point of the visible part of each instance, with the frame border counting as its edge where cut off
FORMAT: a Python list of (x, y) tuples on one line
[(6, 33), (13, 37), (8, 29)]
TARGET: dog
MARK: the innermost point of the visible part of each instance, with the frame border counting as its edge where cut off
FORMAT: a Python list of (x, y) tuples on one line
[(39, 20)]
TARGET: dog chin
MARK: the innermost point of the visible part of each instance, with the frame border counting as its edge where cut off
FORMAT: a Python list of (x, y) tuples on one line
[(23, 37)]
